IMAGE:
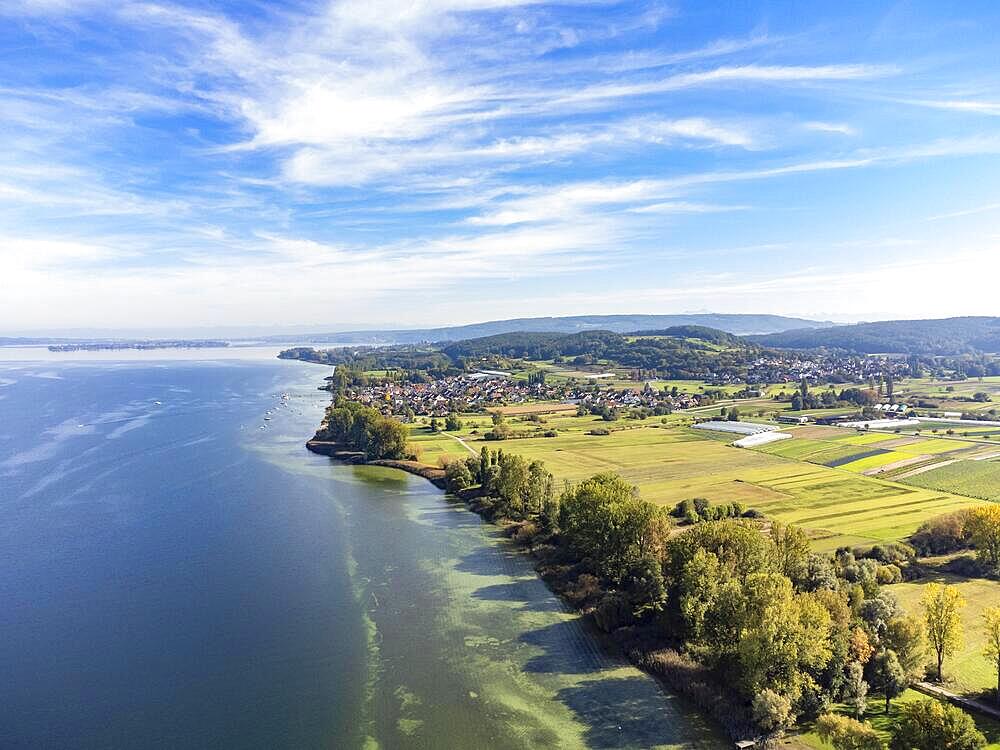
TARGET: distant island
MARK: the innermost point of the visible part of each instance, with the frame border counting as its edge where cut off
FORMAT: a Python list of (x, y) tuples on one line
[(100, 346)]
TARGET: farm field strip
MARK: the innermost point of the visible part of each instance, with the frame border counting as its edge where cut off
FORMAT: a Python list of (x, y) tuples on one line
[(979, 479)]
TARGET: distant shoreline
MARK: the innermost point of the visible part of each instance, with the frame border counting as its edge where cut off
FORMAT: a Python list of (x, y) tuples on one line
[(101, 346)]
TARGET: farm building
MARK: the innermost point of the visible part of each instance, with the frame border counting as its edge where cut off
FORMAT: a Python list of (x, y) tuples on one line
[(737, 428), (789, 419)]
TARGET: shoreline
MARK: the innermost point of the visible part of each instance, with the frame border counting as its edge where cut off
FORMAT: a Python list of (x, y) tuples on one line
[(630, 646)]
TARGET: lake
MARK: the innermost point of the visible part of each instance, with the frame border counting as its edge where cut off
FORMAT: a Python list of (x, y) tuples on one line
[(177, 571)]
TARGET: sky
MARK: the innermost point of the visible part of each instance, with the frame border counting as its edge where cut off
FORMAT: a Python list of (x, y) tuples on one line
[(397, 163)]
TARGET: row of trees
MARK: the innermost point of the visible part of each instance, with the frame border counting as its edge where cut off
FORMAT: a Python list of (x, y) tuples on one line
[(515, 487)]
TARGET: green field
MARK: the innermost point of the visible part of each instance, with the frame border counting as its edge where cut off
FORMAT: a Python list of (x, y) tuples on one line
[(669, 463), (969, 671), (979, 479)]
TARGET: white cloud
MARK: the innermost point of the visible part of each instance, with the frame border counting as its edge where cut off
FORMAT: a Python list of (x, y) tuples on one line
[(975, 106), (841, 128)]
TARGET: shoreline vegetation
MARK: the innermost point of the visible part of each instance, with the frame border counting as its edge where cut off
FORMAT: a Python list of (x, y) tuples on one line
[(727, 609), (674, 671)]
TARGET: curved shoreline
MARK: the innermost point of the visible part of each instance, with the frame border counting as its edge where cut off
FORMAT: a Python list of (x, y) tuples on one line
[(630, 650)]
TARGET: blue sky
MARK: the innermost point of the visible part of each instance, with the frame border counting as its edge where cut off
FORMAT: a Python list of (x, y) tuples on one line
[(367, 162)]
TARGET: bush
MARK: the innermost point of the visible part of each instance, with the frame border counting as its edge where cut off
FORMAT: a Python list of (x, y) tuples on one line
[(930, 723), (943, 534), (848, 734), (599, 431), (888, 574), (457, 476), (890, 552), (695, 682), (525, 532), (772, 712), (585, 587), (613, 611)]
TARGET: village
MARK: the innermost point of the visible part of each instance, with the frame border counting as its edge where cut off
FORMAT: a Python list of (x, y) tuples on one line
[(485, 389)]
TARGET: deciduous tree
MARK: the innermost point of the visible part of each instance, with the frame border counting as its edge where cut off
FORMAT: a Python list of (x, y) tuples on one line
[(845, 733), (942, 613), (991, 648), (932, 725), (984, 525), (889, 676)]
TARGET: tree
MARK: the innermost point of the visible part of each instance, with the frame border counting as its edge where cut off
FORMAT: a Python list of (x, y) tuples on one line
[(856, 689), (457, 476), (452, 423), (772, 711), (889, 676), (931, 725), (991, 649), (792, 547), (604, 518), (861, 649), (942, 606), (907, 636), (845, 733), (984, 527)]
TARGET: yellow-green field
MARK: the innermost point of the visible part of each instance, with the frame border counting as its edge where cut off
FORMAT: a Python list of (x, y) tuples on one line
[(669, 463)]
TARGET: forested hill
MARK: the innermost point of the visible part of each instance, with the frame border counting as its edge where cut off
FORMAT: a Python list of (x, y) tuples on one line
[(679, 352), (737, 324), (673, 352), (946, 336)]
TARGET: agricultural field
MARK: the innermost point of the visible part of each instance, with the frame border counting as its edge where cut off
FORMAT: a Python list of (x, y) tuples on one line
[(670, 463), (979, 479), (951, 395), (966, 429), (869, 453), (969, 671)]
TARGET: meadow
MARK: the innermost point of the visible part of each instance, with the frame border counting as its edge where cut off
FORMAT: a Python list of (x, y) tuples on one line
[(968, 671), (670, 463)]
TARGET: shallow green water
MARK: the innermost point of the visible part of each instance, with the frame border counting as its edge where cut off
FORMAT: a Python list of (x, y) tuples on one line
[(470, 649)]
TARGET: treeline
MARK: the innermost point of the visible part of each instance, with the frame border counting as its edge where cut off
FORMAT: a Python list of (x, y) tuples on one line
[(737, 614), (361, 428)]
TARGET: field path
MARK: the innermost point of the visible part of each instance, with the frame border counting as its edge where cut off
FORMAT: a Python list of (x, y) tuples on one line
[(464, 444), (922, 469), (897, 465)]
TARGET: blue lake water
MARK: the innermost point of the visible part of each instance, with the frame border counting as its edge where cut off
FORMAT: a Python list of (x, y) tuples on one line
[(176, 571)]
